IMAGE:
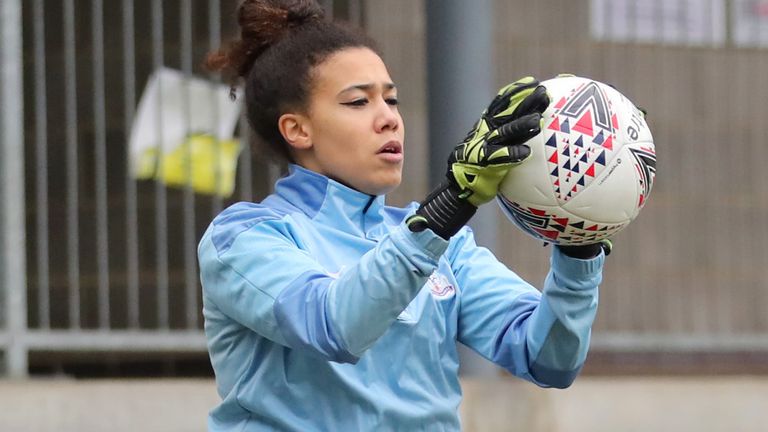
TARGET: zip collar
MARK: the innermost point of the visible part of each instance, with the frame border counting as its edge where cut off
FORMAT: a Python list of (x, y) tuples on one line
[(329, 202)]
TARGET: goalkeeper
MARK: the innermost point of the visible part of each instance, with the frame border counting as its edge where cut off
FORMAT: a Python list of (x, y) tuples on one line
[(326, 310)]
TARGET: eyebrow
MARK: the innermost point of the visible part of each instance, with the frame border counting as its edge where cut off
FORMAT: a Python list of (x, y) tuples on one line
[(367, 87)]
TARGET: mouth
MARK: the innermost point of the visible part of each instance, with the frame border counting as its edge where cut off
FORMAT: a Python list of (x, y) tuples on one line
[(392, 147)]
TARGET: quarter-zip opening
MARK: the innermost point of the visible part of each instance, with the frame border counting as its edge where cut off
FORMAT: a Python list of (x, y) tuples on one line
[(370, 201)]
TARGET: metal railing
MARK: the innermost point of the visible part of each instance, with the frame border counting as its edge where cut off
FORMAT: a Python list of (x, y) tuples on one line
[(94, 260), (12, 232)]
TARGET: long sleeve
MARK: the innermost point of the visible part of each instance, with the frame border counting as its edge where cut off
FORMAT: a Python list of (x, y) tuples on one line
[(254, 273), (539, 336)]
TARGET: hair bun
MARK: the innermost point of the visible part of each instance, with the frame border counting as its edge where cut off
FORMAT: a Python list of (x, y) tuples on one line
[(262, 24), (303, 12)]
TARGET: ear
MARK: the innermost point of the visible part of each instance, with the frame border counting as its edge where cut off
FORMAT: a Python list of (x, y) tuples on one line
[(296, 130)]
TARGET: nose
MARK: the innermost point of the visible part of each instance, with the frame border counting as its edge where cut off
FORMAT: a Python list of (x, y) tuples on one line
[(387, 118)]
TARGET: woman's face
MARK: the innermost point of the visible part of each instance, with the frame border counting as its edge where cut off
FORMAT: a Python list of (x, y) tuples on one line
[(353, 127)]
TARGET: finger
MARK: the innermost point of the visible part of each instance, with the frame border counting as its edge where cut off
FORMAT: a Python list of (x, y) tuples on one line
[(520, 130), (536, 102), (502, 100), (504, 154), (525, 83), (518, 86), (519, 152), (498, 105)]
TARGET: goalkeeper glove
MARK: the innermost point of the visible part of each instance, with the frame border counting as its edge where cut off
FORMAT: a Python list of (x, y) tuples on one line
[(478, 164)]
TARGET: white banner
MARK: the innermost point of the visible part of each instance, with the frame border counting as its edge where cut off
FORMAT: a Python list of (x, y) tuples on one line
[(678, 22), (183, 133)]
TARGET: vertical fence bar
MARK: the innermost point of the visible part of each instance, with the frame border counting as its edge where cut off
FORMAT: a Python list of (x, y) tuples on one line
[(190, 267), (100, 152), (731, 222), (702, 309), (674, 304), (73, 225), (12, 231), (161, 205), (757, 247), (131, 215), (41, 170), (214, 43)]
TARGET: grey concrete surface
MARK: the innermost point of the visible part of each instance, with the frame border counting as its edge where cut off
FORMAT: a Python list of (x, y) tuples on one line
[(105, 405), (594, 404), (621, 404)]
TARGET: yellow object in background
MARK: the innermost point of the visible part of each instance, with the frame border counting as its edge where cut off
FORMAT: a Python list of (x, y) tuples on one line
[(206, 164)]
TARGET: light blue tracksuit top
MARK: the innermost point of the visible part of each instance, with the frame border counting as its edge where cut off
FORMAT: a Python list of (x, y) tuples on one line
[(323, 312)]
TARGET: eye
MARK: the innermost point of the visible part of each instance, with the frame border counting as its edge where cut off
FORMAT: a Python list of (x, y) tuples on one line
[(393, 101), (356, 102)]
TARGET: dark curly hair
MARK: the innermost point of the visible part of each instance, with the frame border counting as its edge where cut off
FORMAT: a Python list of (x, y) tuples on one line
[(280, 42)]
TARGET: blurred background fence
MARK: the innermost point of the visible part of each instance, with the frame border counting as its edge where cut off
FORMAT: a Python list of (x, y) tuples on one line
[(98, 267)]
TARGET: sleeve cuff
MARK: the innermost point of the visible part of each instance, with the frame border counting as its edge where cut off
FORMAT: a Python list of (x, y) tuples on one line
[(427, 241), (575, 269)]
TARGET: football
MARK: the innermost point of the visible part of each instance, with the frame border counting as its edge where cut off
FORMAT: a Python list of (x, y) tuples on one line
[(591, 168)]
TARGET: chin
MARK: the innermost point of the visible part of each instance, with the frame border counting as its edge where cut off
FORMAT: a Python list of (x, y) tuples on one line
[(384, 187)]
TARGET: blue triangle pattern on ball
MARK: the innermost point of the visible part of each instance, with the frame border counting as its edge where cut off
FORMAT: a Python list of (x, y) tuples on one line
[(599, 139), (601, 158), (552, 141)]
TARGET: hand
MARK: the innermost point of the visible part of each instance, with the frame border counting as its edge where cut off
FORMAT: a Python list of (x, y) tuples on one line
[(480, 162), (497, 141)]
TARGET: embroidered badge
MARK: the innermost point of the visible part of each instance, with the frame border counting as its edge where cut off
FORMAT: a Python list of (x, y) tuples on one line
[(440, 286)]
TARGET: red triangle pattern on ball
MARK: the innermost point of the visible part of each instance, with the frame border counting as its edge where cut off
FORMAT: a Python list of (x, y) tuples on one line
[(579, 146), (584, 125)]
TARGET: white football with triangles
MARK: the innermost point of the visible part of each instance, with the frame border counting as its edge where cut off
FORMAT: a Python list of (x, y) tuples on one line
[(591, 168)]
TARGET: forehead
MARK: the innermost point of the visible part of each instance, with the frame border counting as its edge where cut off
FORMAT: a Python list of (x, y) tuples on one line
[(348, 67)]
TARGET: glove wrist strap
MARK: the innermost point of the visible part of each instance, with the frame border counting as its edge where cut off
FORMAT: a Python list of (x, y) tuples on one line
[(587, 251), (443, 211)]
